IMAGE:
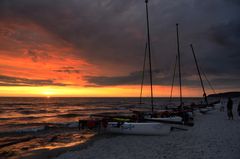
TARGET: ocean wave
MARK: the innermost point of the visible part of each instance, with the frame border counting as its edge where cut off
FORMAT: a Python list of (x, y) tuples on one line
[(4, 118), (63, 124), (70, 115), (35, 111), (33, 129), (24, 130), (23, 118)]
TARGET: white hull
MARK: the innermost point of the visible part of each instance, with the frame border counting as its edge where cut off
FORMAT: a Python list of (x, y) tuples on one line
[(170, 119), (218, 105), (210, 108), (173, 122), (203, 110), (138, 128)]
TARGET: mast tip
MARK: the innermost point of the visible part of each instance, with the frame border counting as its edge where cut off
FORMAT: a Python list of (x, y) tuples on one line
[(176, 24), (146, 1)]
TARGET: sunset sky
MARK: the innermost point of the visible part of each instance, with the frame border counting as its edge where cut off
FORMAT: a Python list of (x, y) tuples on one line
[(96, 47)]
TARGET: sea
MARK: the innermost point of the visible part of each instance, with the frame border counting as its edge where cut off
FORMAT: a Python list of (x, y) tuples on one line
[(31, 124)]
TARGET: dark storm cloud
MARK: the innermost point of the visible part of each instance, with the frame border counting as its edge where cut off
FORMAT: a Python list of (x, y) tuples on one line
[(160, 79), (234, 1), (226, 35), (99, 28), (16, 81), (112, 33), (68, 70), (133, 78)]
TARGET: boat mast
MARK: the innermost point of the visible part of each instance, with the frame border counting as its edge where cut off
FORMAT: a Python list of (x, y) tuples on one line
[(199, 74), (143, 73), (174, 72), (149, 53), (179, 69)]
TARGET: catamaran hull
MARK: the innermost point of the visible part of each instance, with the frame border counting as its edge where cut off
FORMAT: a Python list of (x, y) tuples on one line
[(204, 110), (174, 122), (138, 128), (169, 119)]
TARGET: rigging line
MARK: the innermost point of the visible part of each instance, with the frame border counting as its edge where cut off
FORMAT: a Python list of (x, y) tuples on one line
[(199, 74), (209, 83), (174, 72), (179, 69), (205, 76), (143, 73), (149, 51)]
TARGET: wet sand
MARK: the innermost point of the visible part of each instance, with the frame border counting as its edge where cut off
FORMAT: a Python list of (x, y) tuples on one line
[(42, 144)]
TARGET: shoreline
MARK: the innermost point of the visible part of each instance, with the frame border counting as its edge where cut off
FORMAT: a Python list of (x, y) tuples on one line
[(49, 154), (43, 144), (213, 136)]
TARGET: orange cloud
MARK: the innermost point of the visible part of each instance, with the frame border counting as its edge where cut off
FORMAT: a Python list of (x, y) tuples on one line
[(28, 51)]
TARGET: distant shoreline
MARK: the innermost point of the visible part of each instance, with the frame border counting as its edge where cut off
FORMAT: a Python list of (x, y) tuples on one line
[(225, 95)]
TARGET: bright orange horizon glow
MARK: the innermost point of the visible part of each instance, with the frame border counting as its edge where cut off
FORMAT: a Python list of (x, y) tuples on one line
[(116, 91)]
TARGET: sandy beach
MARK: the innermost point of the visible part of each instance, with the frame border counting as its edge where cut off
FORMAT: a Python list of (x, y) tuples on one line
[(212, 137)]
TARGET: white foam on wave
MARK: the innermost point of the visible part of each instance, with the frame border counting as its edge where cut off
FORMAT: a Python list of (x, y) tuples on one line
[(24, 130), (31, 129), (65, 124), (73, 125)]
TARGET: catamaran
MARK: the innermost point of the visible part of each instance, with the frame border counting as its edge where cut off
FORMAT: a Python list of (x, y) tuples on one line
[(142, 127), (178, 116)]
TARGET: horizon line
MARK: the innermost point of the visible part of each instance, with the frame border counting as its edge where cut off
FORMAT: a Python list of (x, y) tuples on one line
[(92, 97)]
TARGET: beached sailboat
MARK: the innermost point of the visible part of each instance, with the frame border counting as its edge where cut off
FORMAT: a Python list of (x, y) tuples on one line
[(142, 127), (142, 122), (147, 116), (178, 116), (205, 107)]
